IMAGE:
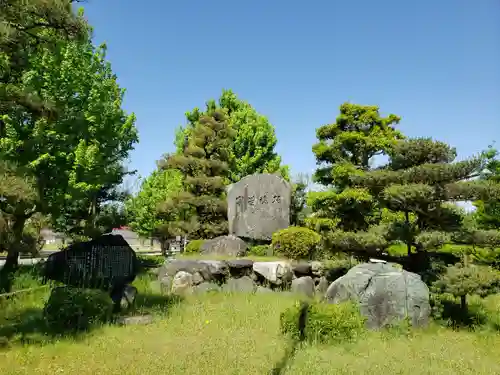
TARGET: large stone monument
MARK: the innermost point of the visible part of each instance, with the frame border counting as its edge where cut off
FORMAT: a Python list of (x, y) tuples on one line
[(258, 206)]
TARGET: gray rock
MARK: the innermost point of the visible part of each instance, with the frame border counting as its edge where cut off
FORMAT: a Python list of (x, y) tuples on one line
[(182, 282), (128, 298), (225, 245), (302, 269), (303, 285), (197, 278), (166, 285), (242, 284), (206, 287), (385, 294), (322, 286), (317, 268), (216, 267), (262, 289), (240, 263), (258, 206), (190, 266), (155, 271), (240, 267), (135, 320), (274, 272)]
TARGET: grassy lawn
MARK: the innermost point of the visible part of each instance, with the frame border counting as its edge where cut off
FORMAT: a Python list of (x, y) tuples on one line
[(234, 334), (239, 334)]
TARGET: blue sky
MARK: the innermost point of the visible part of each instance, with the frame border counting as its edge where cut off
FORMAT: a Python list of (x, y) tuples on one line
[(435, 63)]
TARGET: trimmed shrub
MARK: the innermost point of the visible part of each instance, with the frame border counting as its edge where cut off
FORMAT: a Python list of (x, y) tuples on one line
[(261, 250), (193, 247), (324, 323), (151, 261), (296, 242), (75, 309)]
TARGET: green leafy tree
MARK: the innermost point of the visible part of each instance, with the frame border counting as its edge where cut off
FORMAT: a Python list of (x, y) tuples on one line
[(157, 188), (201, 206), (253, 148), (348, 147), (487, 213), (77, 155), (26, 27)]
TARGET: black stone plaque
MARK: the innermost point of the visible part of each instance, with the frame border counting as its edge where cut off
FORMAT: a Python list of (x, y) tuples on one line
[(104, 263)]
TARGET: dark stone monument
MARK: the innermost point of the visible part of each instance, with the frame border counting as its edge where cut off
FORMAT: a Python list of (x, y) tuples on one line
[(107, 263), (258, 206)]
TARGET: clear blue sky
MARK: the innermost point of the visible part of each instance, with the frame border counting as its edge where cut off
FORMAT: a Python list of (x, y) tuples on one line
[(435, 63)]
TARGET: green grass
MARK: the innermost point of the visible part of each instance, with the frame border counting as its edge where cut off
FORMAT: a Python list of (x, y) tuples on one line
[(231, 334), (239, 334)]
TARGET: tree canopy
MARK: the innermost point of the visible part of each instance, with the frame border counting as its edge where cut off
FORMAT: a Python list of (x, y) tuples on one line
[(204, 164), (349, 147), (253, 148), (156, 189), (487, 212), (66, 158)]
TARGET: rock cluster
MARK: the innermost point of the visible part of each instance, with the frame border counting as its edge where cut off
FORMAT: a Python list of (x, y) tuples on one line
[(241, 275), (384, 292)]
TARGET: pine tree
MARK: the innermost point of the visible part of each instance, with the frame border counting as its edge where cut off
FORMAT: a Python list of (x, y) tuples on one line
[(201, 204), (348, 146), (487, 214), (420, 184)]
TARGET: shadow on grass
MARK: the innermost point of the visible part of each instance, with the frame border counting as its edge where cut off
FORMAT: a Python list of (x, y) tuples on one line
[(153, 304), (451, 314), (290, 351), (30, 327)]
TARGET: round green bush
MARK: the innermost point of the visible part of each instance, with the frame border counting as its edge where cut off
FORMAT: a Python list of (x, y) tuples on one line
[(296, 242), (193, 247), (324, 323), (75, 309), (261, 250)]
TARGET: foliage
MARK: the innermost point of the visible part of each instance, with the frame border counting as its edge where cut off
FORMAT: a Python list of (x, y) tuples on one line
[(478, 315), (419, 185), (298, 206), (151, 261), (26, 28), (76, 158), (73, 309), (345, 148), (487, 214), (157, 188), (253, 146), (193, 247), (296, 242), (324, 323), (462, 280), (358, 134), (201, 205), (111, 215), (261, 250)]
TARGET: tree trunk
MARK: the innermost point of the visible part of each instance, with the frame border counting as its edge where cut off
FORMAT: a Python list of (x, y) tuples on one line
[(463, 303), (12, 259), (408, 242)]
